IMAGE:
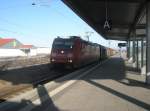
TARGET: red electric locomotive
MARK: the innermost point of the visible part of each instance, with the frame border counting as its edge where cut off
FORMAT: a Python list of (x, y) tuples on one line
[(74, 52)]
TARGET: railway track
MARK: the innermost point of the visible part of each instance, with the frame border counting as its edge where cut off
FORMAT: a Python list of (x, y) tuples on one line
[(15, 90), (45, 77)]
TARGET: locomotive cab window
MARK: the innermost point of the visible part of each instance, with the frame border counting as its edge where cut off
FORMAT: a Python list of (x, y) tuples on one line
[(63, 44)]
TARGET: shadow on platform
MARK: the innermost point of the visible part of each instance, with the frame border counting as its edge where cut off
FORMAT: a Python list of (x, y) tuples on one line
[(113, 69), (45, 100), (31, 74), (136, 83), (133, 70), (121, 95)]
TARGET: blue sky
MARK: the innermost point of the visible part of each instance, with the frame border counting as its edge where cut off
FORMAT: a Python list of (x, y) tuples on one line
[(39, 24)]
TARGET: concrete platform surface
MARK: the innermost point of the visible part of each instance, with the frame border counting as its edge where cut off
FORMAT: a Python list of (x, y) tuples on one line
[(105, 89), (110, 87)]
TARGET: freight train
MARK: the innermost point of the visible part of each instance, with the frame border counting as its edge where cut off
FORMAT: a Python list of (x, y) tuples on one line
[(76, 52)]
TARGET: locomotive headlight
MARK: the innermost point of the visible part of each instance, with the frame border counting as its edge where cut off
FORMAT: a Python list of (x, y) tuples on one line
[(69, 55), (62, 51), (53, 60), (70, 61)]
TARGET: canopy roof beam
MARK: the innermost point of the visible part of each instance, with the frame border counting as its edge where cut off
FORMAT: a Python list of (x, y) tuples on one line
[(139, 15)]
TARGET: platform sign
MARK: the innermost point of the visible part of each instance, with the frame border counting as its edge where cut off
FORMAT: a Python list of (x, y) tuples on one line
[(122, 44), (107, 25)]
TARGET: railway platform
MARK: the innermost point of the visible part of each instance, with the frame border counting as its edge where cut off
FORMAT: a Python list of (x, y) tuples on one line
[(108, 86)]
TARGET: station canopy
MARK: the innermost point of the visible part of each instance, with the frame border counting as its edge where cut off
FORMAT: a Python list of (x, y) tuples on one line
[(122, 16)]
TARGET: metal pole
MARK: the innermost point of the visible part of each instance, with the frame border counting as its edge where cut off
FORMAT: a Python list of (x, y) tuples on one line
[(129, 48), (137, 55), (148, 43), (120, 52), (88, 34), (88, 38), (142, 52), (133, 53)]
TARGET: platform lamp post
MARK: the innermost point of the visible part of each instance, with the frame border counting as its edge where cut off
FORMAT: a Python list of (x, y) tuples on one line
[(109, 43)]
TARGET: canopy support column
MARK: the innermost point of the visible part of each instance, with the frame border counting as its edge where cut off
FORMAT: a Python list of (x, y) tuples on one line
[(142, 53), (134, 49), (128, 48), (148, 43), (137, 54)]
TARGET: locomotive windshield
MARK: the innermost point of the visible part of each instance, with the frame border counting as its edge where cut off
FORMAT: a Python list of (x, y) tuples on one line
[(63, 44)]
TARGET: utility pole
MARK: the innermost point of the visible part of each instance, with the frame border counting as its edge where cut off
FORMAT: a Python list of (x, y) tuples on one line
[(109, 43), (88, 34)]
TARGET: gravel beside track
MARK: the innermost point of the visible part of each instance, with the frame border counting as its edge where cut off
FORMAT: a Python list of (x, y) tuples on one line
[(17, 81)]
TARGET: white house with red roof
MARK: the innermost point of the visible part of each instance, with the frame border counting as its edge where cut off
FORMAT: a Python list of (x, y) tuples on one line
[(9, 43), (10, 47)]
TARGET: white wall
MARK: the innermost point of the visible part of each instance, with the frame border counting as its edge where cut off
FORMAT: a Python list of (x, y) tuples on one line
[(43, 50), (11, 52), (33, 52), (18, 52)]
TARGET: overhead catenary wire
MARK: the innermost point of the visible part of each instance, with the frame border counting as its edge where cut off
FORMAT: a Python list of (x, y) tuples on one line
[(10, 31), (43, 4), (14, 6), (10, 22), (13, 24), (67, 18)]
